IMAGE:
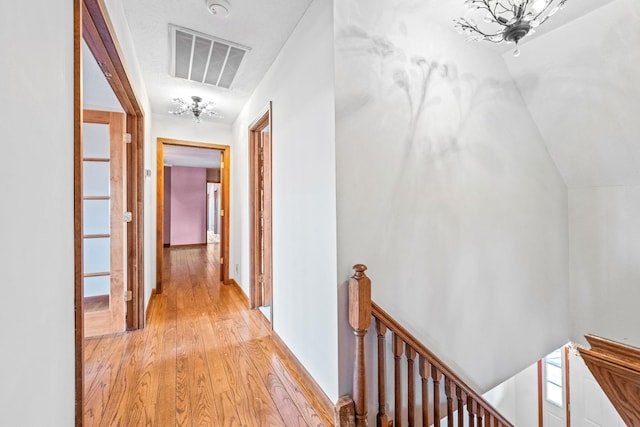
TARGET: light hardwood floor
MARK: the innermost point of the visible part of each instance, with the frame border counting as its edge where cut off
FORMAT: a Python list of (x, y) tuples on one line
[(203, 359)]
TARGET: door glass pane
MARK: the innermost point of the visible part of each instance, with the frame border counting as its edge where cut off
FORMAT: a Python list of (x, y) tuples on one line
[(98, 285), (97, 257), (95, 141), (96, 293), (97, 217), (95, 179)]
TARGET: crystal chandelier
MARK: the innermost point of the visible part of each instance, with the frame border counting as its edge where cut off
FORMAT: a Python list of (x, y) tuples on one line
[(507, 20), (196, 107)]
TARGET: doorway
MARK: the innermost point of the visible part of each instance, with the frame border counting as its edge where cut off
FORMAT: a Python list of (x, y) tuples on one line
[(261, 286), (213, 212), (93, 26), (162, 225), (554, 397)]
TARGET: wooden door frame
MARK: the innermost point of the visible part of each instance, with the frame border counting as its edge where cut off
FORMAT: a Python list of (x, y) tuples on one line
[(225, 174), (91, 22), (263, 120)]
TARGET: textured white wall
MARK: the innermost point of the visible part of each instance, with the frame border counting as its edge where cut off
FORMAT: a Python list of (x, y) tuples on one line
[(446, 191), (605, 262), (584, 94), (36, 218), (517, 398), (300, 84)]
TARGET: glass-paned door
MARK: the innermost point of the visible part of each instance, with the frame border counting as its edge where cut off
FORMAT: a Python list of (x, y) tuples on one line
[(103, 223)]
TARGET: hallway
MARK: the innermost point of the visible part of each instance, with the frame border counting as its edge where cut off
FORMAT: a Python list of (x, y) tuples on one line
[(203, 359)]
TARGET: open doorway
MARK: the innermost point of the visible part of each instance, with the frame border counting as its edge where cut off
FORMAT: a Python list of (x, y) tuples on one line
[(93, 29), (260, 132), (213, 212), (186, 169)]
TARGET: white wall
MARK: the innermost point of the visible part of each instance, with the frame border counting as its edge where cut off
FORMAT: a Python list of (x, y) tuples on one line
[(454, 204), (584, 94), (300, 84), (36, 217), (96, 92), (517, 398), (605, 262)]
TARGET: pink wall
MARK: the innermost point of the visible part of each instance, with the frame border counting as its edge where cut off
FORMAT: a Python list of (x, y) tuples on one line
[(188, 205), (167, 205)]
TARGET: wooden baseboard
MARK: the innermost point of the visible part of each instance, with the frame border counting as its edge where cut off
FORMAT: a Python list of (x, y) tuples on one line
[(304, 377), (166, 245), (151, 299), (232, 282)]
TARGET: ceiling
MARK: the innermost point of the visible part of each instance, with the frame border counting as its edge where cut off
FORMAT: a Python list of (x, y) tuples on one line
[(177, 155), (263, 26)]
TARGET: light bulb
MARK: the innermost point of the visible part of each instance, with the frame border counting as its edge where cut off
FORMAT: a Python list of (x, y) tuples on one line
[(538, 6)]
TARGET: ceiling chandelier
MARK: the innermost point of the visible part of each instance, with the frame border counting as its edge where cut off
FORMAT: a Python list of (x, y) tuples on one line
[(196, 107), (507, 20)]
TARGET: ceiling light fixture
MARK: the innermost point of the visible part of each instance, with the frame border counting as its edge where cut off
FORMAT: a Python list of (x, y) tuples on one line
[(219, 8), (196, 107), (514, 18)]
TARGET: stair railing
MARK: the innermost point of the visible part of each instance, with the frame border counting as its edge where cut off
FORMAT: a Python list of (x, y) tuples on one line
[(435, 376)]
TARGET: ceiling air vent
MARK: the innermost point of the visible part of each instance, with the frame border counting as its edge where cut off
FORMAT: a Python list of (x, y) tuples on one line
[(204, 59)]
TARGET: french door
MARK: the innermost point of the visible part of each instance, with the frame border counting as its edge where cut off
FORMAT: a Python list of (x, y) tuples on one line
[(103, 234)]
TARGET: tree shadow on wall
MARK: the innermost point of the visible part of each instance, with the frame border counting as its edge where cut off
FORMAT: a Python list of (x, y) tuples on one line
[(426, 85)]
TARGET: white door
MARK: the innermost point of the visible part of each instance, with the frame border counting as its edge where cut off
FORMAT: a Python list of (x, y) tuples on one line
[(590, 407), (554, 389)]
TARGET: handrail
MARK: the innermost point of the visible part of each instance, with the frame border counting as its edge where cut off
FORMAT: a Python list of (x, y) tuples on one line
[(432, 370), (434, 360)]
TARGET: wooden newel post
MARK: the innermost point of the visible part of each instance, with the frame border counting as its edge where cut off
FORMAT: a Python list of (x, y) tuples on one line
[(360, 320)]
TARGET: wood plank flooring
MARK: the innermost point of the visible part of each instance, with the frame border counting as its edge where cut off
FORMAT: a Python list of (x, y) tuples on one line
[(204, 359)]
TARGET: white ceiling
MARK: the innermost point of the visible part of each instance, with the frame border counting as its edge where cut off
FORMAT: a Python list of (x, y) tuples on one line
[(177, 155), (263, 25)]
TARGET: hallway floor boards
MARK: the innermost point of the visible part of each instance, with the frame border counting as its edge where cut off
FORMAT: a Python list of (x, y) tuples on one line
[(203, 359)]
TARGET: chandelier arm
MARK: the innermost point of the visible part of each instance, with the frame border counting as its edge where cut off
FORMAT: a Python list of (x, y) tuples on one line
[(484, 4), (546, 7), (464, 24), (495, 10)]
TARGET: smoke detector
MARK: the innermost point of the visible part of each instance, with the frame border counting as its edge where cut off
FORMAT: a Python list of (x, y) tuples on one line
[(219, 8)]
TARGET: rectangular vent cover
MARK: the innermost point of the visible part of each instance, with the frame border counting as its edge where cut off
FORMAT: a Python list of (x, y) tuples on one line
[(204, 59)]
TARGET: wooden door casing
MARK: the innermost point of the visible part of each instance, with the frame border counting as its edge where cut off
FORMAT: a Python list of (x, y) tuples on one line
[(260, 156)]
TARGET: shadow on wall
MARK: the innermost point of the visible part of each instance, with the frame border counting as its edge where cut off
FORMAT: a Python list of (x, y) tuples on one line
[(424, 83)]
